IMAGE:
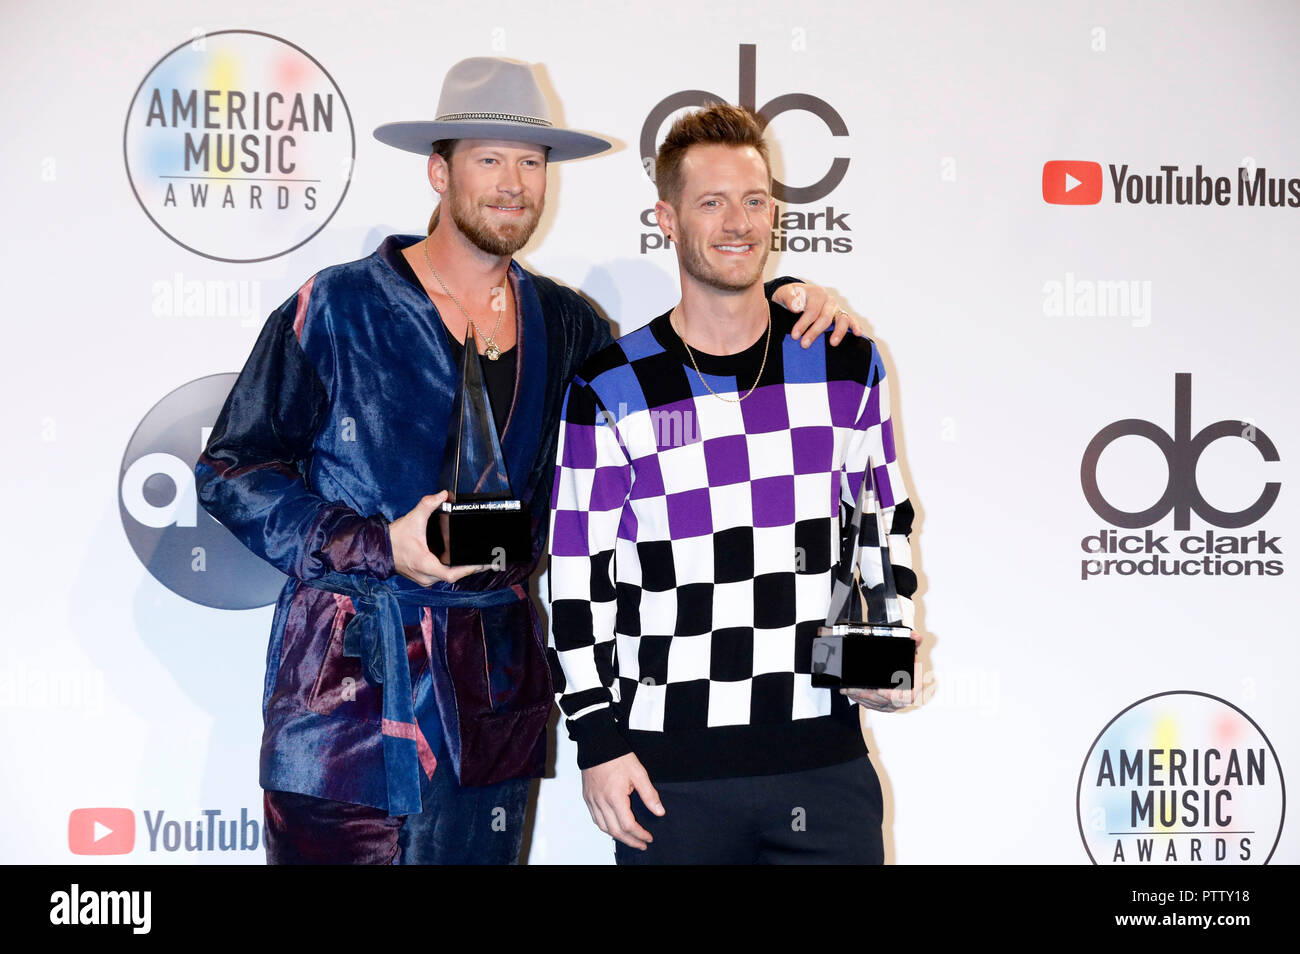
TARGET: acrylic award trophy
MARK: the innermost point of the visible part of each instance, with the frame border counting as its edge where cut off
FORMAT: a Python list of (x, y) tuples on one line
[(878, 652), (481, 522)]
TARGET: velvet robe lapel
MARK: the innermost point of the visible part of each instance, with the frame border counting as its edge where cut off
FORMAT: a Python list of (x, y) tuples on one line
[(524, 429), (440, 369)]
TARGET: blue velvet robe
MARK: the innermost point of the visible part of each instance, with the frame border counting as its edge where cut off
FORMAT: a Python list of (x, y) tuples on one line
[(335, 427)]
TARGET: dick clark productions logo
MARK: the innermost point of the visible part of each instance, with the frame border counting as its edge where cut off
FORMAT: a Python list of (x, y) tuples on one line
[(1181, 777), (239, 146), (819, 230), (1206, 553), (179, 542)]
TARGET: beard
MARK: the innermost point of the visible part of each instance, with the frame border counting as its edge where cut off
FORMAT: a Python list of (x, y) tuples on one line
[(496, 239), (693, 255)]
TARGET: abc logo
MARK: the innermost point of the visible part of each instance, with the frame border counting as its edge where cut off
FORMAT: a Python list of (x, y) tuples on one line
[(1181, 450), (184, 548), (770, 110)]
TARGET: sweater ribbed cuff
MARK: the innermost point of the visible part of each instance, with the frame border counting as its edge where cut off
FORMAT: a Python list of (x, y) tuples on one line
[(597, 737)]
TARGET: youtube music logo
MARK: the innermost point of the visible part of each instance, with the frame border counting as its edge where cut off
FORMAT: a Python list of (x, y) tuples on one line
[(1072, 182), (1078, 182), (101, 831)]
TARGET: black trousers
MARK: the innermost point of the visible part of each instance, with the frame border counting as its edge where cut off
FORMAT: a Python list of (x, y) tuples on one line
[(829, 815)]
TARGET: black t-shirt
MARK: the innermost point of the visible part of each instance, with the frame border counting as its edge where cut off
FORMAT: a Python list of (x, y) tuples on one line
[(743, 365), (499, 378)]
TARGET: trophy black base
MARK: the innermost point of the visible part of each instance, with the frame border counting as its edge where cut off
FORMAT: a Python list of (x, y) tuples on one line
[(863, 656), (481, 532)]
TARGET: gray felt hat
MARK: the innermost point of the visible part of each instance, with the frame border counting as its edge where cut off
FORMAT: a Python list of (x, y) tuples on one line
[(485, 97)]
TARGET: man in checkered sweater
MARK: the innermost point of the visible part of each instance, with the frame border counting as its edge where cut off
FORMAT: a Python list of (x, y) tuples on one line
[(703, 465)]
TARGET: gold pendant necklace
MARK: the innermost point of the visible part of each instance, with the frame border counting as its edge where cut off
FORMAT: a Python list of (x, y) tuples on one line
[(492, 351)]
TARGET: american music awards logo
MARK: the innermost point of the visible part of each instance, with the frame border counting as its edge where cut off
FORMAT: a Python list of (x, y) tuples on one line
[(1181, 777), (819, 225), (239, 146)]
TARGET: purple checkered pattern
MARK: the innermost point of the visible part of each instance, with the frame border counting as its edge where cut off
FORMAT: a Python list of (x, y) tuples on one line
[(693, 539)]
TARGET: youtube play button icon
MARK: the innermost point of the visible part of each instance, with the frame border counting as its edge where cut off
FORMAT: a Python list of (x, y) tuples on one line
[(1072, 182), (101, 831)]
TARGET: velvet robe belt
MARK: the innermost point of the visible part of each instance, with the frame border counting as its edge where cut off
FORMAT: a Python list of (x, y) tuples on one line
[(376, 637)]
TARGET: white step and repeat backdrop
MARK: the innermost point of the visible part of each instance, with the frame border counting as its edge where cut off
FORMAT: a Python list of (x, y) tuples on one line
[(1072, 227)]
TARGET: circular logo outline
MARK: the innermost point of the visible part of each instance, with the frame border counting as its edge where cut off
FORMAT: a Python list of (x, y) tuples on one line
[(254, 559), (1078, 791), (126, 163)]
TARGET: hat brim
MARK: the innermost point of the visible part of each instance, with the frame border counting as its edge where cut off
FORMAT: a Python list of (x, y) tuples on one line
[(419, 137)]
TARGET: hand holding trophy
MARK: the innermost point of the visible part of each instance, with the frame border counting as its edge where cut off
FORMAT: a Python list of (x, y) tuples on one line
[(876, 653), (480, 522)]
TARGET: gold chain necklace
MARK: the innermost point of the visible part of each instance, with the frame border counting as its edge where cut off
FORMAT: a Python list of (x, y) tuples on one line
[(691, 355), (492, 351)]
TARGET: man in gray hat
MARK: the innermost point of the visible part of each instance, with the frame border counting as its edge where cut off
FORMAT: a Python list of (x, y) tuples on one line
[(406, 700)]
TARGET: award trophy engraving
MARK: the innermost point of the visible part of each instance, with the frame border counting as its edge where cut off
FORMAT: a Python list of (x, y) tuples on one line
[(481, 522), (850, 652)]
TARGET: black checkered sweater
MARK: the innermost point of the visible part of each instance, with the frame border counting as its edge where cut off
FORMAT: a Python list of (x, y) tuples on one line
[(692, 546)]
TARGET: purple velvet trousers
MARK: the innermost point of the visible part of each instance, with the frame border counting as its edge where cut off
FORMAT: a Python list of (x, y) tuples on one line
[(457, 826)]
